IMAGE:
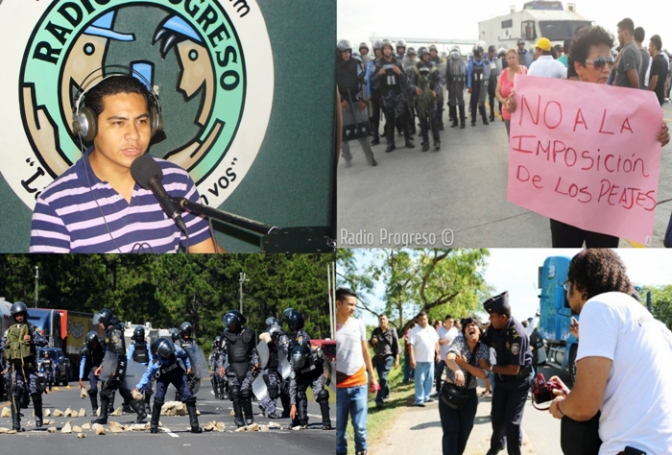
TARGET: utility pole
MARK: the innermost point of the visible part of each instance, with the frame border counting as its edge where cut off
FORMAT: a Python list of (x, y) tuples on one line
[(37, 276), (242, 279)]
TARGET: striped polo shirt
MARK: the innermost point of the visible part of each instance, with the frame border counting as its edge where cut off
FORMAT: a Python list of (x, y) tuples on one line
[(67, 218)]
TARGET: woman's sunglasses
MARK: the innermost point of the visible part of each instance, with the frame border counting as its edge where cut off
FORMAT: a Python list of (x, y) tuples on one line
[(599, 62)]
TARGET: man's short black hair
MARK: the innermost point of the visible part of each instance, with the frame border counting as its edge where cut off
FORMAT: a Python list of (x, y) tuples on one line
[(343, 293), (565, 45), (639, 34), (627, 24), (580, 46), (657, 42), (421, 314), (468, 320), (113, 86), (448, 317), (381, 315), (598, 270)]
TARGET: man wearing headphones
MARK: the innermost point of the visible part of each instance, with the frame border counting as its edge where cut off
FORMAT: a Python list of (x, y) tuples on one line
[(96, 205)]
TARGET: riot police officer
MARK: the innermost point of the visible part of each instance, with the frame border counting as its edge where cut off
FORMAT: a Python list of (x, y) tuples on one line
[(307, 370), (373, 94), (524, 57), (140, 352), (47, 368), (243, 365), (456, 78), (167, 370), (187, 343), (440, 65), (389, 77), (175, 335), (425, 81), (216, 361), (115, 343), (91, 358), (364, 52), (401, 49), (18, 347), (477, 84), (271, 376), (513, 374)]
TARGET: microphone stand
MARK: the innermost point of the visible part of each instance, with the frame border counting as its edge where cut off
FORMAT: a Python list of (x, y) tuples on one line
[(236, 220), (273, 239)]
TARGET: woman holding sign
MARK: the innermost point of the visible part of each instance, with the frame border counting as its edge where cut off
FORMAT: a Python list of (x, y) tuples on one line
[(505, 84), (590, 56)]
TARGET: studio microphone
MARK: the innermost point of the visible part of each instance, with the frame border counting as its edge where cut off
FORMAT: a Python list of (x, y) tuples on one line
[(147, 173)]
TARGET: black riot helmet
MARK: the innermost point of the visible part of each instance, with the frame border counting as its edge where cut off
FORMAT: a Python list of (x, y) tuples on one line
[(299, 356), (138, 332), (433, 47), (411, 51), (217, 342), (492, 48), (175, 333), (363, 45), (18, 308), (104, 317), (344, 45), (272, 320), (275, 330), (90, 339), (294, 320), (186, 329), (163, 347), (521, 41), (422, 51), (234, 321)]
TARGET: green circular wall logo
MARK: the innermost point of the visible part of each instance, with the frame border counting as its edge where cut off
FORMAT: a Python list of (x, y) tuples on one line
[(208, 61)]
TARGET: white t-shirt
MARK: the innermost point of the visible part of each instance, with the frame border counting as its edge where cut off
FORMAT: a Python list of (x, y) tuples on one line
[(349, 337), (547, 66), (445, 334), (638, 397), (423, 341)]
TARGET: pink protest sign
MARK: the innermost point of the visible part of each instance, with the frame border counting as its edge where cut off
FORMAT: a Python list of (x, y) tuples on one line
[(586, 154)]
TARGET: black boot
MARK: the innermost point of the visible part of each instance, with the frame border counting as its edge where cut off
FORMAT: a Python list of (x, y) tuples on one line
[(93, 396), (238, 413), (104, 409), (37, 403), (484, 114), (284, 399), (326, 419), (110, 406), (193, 418), (148, 397), (156, 415), (247, 410), (16, 413), (376, 134), (302, 411), (473, 115), (463, 117), (139, 408), (453, 115)]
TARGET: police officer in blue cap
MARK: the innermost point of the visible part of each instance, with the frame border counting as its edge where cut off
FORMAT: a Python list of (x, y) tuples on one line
[(513, 373)]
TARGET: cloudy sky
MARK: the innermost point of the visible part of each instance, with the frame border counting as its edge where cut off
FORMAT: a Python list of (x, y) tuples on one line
[(359, 20), (516, 271)]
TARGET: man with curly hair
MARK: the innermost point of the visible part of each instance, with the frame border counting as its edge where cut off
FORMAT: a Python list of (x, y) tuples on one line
[(622, 363)]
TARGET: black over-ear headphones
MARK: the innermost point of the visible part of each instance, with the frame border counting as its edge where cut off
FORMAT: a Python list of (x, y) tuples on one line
[(85, 122)]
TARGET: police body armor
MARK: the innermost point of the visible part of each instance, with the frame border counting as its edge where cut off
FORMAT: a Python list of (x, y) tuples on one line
[(169, 370), (18, 350), (390, 80), (273, 359), (424, 102), (239, 350), (46, 364), (140, 353), (457, 74), (477, 74)]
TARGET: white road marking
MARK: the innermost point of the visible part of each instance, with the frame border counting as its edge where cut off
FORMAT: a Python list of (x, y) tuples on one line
[(167, 430)]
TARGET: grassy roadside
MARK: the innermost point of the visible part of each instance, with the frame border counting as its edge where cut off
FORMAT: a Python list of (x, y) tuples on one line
[(401, 395)]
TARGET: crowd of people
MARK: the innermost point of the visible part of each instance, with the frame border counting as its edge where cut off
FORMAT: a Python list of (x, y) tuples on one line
[(622, 355), (408, 86), (285, 360)]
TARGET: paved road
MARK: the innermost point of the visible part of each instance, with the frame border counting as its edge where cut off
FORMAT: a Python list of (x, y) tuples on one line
[(462, 188), (278, 442), (418, 430)]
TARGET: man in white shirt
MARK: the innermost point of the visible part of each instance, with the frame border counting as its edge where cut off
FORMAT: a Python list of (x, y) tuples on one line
[(424, 351), (545, 65), (447, 333), (623, 362)]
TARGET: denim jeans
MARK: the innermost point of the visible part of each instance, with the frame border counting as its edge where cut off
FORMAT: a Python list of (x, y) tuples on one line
[(457, 425), (383, 367), (424, 379), (409, 373), (438, 371), (351, 401)]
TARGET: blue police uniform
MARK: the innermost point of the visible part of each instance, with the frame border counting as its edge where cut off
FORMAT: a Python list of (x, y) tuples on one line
[(170, 372), (508, 401)]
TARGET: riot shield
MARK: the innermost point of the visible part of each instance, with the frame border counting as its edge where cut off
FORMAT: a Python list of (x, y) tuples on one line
[(199, 364), (264, 354), (284, 368), (134, 371), (259, 387), (330, 375)]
